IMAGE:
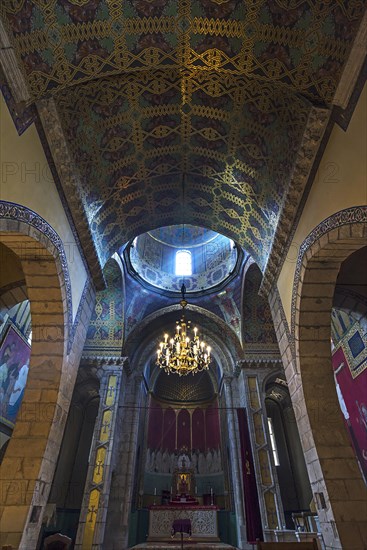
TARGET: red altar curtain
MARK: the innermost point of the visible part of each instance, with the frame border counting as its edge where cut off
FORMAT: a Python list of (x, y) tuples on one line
[(352, 396), (183, 429), (198, 430), (252, 509), (169, 430), (212, 427), (155, 426)]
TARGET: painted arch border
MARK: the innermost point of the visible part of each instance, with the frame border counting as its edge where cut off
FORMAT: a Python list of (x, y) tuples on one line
[(30, 220), (349, 216)]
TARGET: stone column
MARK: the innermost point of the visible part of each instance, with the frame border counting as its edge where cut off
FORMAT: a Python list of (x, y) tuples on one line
[(271, 508), (92, 522), (235, 450), (124, 466)]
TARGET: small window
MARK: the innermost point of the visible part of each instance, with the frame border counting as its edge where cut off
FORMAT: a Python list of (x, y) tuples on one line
[(272, 442), (183, 263)]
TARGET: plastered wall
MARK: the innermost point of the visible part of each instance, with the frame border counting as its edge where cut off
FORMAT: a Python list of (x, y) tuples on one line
[(26, 179), (340, 182)]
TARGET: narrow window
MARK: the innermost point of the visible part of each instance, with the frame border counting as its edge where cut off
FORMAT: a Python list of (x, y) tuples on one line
[(272, 442), (183, 263)]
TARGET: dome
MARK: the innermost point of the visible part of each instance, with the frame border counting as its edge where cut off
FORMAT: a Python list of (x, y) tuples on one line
[(169, 256)]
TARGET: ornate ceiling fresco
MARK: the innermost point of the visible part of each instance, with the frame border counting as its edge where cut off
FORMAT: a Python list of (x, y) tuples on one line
[(212, 95)]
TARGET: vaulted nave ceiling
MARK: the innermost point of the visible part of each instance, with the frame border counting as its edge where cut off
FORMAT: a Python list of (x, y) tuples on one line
[(213, 96)]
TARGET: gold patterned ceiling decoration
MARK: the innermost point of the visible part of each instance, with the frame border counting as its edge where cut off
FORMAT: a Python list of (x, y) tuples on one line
[(215, 93), (234, 141), (198, 388), (300, 43)]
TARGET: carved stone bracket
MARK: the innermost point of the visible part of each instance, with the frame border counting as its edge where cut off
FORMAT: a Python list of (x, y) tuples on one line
[(101, 361), (256, 362)]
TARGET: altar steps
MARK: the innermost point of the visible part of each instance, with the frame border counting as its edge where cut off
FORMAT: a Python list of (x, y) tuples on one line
[(187, 545)]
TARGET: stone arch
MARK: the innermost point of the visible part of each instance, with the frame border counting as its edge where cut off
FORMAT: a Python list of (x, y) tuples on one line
[(30, 458), (336, 480), (223, 341), (12, 284)]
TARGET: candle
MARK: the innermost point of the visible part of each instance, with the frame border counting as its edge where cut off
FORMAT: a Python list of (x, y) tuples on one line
[(196, 490), (211, 491), (155, 491)]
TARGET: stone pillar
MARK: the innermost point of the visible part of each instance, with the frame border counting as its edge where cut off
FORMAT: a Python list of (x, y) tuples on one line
[(336, 481), (124, 466), (93, 514), (235, 450), (271, 508)]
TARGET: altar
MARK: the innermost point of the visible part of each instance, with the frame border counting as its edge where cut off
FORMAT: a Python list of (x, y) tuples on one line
[(204, 523), (183, 508)]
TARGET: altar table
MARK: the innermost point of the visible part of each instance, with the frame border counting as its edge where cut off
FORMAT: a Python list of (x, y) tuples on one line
[(203, 519)]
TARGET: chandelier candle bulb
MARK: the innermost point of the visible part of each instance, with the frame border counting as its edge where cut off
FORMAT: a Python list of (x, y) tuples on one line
[(183, 354)]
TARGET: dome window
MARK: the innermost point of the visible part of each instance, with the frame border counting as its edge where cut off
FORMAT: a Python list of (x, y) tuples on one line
[(183, 265)]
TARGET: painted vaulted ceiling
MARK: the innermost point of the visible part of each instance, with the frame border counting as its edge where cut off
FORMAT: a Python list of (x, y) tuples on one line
[(183, 111)]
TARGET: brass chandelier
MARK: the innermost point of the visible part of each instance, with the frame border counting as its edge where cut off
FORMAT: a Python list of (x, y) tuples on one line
[(181, 354)]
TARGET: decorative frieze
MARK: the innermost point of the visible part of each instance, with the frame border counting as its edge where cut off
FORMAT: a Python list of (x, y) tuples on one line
[(353, 215), (311, 140)]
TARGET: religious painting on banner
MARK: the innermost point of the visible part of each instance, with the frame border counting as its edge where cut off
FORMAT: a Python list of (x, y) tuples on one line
[(351, 389), (15, 354)]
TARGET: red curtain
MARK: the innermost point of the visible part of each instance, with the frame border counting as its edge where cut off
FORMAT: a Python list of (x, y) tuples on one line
[(352, 396), (155, 426), (183, 429), (198, 430), (212, 427), (252, 509), (169, 430)]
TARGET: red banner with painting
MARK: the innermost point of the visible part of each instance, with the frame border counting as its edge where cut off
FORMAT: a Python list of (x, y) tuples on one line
[(352, 396)]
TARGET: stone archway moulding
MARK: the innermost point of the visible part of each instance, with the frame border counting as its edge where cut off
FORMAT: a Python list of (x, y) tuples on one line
[(18, 218), (330, 459), (353, 215)]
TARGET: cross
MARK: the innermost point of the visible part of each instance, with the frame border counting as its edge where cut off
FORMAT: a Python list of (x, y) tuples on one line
[(99, 465), (92, 510), (111, 390), (105, 425)]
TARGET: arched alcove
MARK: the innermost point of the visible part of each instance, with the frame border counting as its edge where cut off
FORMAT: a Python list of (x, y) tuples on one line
[(330, 458), (40, 421), (287, 451)]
